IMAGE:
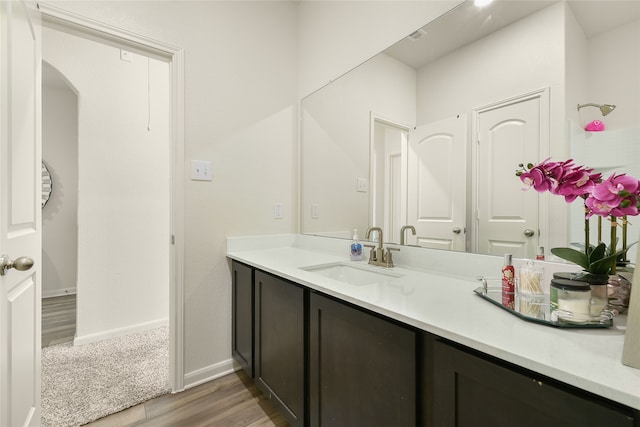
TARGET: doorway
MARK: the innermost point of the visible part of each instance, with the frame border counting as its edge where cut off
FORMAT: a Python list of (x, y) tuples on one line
[(509, 133), (388, 176), (437, 183), (416, 182), (122, 171), (172, 236), (59, 207)]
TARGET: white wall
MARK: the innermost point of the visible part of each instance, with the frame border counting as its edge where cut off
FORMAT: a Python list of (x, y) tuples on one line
[(610, 66), (336, 129), (59, 216), (336, 36), (243, 62), (515, 60), (577, 68), (240, 113), (123, 185), (613, 68)]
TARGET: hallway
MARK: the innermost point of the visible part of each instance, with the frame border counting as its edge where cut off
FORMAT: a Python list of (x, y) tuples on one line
[(58, 319)]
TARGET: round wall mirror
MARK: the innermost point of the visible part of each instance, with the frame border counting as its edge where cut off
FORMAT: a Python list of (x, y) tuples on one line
[(47, 184)]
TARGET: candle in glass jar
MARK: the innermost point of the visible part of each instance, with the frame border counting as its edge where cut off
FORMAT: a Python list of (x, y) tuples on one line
[(570, 295)]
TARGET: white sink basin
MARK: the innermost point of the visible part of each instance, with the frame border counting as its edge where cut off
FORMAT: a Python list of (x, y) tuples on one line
[(353, 274)]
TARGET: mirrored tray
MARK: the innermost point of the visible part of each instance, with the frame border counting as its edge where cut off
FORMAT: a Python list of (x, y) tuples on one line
[(538, 310)]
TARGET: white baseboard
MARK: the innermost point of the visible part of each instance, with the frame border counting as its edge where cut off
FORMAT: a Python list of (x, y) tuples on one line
[(58, 292), (208, 373), (112, 333)]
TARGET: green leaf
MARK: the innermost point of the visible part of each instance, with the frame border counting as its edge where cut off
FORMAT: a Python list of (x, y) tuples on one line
[(602, 266), (572, 255), (597, 253), (600, 260)]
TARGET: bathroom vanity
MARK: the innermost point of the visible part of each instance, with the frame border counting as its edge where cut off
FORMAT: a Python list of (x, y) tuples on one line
[(339, 343)]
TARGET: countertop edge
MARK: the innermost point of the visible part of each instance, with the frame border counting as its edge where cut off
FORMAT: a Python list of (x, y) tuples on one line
[(599, 388)]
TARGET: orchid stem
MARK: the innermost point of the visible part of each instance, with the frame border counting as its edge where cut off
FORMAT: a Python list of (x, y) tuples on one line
[(614, 229), (624, 236), (586, 231)]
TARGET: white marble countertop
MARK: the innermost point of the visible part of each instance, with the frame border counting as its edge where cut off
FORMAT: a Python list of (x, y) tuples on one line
[(435, 294)]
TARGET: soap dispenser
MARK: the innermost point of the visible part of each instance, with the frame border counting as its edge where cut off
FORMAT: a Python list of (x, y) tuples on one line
[(356, 247)]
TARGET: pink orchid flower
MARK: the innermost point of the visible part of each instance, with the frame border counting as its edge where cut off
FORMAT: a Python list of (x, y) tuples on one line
[(560, 178), (619, 195)]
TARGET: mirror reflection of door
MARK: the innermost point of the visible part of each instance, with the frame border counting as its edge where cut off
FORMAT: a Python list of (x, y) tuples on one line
[(436, 184), (509, 133), (389, 177)]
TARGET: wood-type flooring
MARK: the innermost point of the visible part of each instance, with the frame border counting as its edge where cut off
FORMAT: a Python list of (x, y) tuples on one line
[(58, 319), (229, 401)]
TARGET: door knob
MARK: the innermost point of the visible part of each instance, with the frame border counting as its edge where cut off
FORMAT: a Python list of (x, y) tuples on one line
[(457, 230), (529, 232), (21, 264)]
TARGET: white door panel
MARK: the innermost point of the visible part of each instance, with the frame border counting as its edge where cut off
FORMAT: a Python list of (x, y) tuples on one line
[(507, 217), (394, 196), (388, 176), (20, 215), (436, 184)]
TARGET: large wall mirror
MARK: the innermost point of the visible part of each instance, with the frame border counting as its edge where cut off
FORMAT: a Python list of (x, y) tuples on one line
[(429, 132)]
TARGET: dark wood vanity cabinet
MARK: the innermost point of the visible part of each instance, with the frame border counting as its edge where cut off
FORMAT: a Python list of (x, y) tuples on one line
[(280, 344), (362, 368), (242, 310), (472, 390), (328, 363)]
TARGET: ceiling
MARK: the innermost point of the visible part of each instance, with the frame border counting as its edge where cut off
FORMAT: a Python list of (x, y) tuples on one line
[(419, 49), (595, 17)]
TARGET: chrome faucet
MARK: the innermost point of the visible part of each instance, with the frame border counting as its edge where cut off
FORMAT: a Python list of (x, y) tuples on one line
[(378, 255), (404, 229)]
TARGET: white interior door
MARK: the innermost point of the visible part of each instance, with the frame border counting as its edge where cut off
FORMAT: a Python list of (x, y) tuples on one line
[(20, 218), (508, 134), (394, 219), (388, 165), (436, 184)]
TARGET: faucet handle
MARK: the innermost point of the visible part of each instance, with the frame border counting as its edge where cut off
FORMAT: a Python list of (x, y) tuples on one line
[(388, 258), (372, 252)]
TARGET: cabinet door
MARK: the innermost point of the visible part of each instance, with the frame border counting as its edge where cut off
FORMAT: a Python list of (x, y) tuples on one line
[(473, 391), (362, 368), (242, 316), (280, 344)]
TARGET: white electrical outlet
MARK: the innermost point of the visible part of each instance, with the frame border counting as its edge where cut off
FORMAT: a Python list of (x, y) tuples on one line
[(277, 211), (314, 211), (200, 170)]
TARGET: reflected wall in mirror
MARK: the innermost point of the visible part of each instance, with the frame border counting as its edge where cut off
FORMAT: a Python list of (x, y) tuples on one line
[(429, 132)]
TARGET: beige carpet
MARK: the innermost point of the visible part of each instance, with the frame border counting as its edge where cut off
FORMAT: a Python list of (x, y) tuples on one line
[(82, 384)]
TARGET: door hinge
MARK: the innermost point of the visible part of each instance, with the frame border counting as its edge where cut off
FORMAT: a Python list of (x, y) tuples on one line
[(173, 239)]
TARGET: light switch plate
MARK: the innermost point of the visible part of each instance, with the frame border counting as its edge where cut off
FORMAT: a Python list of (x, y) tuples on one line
[(200, 170), (362, 185), (277, 211)]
